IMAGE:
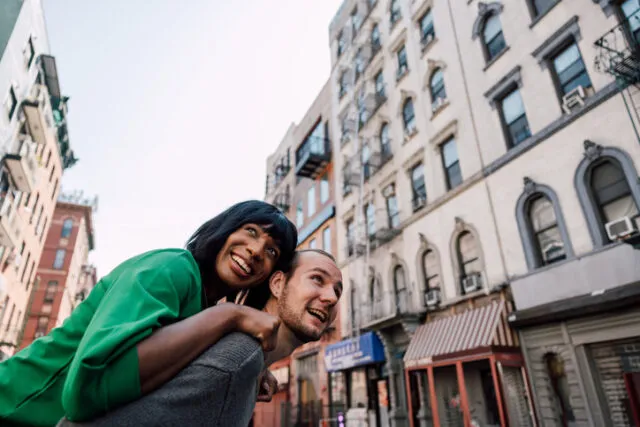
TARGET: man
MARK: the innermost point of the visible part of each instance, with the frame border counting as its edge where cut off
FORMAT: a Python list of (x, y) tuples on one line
[(219, 388)]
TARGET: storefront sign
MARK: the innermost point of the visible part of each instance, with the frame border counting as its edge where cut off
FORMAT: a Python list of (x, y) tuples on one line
[(358, 351)]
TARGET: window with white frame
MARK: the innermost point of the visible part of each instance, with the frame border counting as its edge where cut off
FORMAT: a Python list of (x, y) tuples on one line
[(370, 215), (438, 90), (427, 29), (403, 64), (311, 201), (492, 37), (451, 164), (514, 118)]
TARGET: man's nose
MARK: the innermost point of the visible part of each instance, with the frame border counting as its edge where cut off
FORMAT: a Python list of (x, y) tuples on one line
[(330, 296)]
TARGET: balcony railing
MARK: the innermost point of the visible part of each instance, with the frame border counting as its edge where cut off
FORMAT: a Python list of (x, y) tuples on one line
[(618, 52), (312, 157), (389, 305)]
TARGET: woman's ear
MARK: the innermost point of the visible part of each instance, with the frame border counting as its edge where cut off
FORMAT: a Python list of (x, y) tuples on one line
[(276, 283)]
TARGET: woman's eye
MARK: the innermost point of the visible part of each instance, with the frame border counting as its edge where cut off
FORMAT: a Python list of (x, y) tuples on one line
[(252, 231), (272, 252)]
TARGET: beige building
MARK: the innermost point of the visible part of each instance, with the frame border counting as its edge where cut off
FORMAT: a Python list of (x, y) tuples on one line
[(35, 150), (486, 170)]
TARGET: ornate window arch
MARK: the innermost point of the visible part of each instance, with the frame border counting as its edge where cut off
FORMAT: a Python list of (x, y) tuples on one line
[(428, 264), (466, 253), (597, 207), (543, 231), (401, 284), (488, 28)]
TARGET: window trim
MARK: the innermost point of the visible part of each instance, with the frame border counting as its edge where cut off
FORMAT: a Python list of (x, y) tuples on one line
[(531, 191), (64, 256), (593, 154), (63, 232), (557, 41), (461, 228), (425, 247)]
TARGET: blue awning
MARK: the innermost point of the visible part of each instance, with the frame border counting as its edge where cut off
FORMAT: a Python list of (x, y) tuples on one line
[(363, 350)]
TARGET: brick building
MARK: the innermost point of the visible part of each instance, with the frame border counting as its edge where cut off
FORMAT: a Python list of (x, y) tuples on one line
[(64, 276)]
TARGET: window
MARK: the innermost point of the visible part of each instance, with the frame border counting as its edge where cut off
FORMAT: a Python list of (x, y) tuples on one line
[(400, 285), (31, 52), (356, 22), (324, 189), (344, 84), (55, 188), (396, 13), (468, 256), (313, 244), (514, 118), (351, 234), (46, 308), (35, 208), (366, 161), (631, 12), (379, 82), (549, 245), (30, 276), (493, 38), (569, 69), (370, 214), (67, 226), (408, 117), (354, 307), (24, 270), (345, 129), (427, 30), (403, 65), (418, 187), (11, 103), (559, 387), (438, 91), (539, 7), (299, 214), (451, 163), (611, 192), (393, 214), (341, 43), (311, 201), (59, 259), (376, 44), (385, 140), (359, 61), (48, 159), (53, 170), (430, 270), (43, 325), (52, 289), (363, 112), (13, 309), (326, 239)]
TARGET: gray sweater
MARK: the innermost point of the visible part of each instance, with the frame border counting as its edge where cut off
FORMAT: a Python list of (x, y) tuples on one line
[(219, 388)]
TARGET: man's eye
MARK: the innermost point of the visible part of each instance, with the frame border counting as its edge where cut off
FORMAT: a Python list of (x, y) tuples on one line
[(316, 278)]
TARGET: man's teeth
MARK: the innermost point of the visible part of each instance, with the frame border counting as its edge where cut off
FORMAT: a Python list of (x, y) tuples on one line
[(319, 314), (243, 265)]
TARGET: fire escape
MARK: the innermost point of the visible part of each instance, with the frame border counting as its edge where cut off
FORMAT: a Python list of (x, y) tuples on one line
[(618, 54)]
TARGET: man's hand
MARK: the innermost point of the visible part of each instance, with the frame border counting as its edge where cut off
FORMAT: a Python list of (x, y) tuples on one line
[(260, 325), (267, 386)]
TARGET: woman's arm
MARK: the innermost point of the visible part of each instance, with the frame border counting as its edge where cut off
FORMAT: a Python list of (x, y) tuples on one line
[(170, 349)]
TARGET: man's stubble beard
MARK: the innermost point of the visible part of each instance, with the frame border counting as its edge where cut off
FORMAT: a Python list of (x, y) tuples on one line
[(293, 320)]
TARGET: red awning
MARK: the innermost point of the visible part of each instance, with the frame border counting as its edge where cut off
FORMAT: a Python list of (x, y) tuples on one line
[(477, 328)]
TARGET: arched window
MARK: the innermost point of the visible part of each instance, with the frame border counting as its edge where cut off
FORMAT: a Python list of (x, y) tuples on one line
[(385, 140), (370, 214), (366, 161), (559, 386), (372, 289), (430, 270), (408, 116), (468, 254), (492, 37), (611, 192), (438, 91), (549, 245), (375, 39), (400, 288), (607, 184), (542, 228), (67, 226)]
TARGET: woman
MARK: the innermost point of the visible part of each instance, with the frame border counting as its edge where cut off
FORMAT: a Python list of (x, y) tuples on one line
[(149, 318)]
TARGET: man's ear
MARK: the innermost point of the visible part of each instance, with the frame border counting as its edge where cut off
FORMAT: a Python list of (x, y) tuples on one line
[(276, 284)]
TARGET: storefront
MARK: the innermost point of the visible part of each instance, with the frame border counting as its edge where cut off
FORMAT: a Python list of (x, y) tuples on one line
[(269, 414), (467, 370), (358, 384)]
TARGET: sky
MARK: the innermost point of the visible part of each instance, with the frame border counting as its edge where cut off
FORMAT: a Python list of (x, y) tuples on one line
[(175, 106)]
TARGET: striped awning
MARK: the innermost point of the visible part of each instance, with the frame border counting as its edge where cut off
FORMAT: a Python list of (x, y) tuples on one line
[(478, 328)]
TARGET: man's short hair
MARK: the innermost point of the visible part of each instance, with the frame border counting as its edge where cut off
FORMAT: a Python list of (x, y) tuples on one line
[(295, 262)]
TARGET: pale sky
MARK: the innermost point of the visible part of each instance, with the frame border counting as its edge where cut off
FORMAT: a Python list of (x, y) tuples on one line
[(176, 104)]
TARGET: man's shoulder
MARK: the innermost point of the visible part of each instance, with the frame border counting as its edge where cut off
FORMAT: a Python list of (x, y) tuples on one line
[(235, 351)]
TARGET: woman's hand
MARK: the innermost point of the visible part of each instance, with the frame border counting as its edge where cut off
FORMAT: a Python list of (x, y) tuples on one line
[(259, 324), (267, 386)]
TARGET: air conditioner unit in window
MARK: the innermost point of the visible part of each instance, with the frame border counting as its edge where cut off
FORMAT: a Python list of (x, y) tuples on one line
[(438, 104), (620, 228), (573, 99), (472, 283), (432, 297)]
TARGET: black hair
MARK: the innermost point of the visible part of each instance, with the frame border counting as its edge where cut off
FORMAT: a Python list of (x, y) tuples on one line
[(208, 240)]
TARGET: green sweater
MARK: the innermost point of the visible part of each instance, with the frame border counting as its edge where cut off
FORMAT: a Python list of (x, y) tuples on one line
[(89, 365)]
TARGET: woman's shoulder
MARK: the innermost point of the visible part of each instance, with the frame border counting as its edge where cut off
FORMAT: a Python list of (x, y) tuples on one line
[(168, 260)]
